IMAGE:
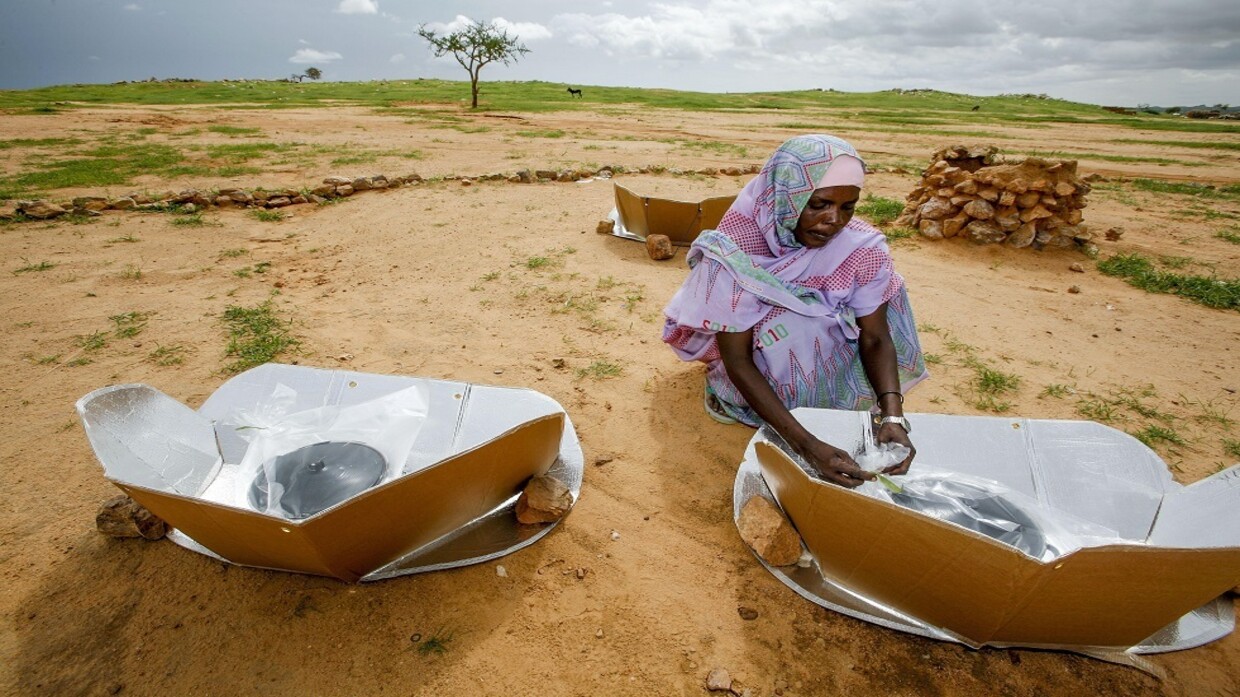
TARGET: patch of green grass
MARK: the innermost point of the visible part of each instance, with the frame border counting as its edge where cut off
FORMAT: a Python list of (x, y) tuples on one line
[(933, 358), (165, 356), (537, 262), (47, 360), (1096, 409), (880, 211), (191, 220), (128, 237), (34, 268), (234, 253), (546, 133), (994, 382), (1197, 144), (266, 215), (360, 158), (1057, 391), (1140, 272), (93, 341), (1231, 235), (715, 146), (600, 370), (105, 165), (232, 130), (130, 324), (256, 335), (1187, 188), (131, 273), (1231, 447), (1153, 434), (436, 644)]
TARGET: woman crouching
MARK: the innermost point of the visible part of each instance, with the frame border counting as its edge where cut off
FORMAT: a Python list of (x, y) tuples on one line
[(793, 303)]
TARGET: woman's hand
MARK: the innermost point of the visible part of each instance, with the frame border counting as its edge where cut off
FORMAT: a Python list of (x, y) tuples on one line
[(833, 464), (895, 433)]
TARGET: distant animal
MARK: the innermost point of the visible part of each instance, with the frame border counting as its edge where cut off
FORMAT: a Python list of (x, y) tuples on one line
[(976, 107), (575, 93)]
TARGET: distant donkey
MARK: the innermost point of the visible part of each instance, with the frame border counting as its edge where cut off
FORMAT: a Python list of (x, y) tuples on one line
[(575, 93)]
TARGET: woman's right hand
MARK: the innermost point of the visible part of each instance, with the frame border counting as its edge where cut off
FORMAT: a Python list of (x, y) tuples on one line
[(833, 464)]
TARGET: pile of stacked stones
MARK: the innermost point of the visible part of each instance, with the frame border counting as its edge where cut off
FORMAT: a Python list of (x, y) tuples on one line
[(966, 192)]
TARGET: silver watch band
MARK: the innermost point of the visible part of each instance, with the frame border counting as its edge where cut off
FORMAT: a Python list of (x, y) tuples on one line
[(899, 420)]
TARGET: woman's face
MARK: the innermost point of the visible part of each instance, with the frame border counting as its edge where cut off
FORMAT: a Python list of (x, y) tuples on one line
[(829, 209)]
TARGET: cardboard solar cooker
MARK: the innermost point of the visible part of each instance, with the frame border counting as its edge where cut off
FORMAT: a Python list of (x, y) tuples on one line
[(636, 216), (1158, 584), (450, 503)]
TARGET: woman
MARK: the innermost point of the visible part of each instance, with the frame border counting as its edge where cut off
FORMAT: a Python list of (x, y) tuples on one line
[(791, 302)]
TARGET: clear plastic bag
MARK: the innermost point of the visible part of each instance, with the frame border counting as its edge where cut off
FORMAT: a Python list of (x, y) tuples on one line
[(987, 507), (301, 463)]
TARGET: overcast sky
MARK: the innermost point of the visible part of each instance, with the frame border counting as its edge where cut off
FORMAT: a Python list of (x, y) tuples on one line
[(1124, 52)]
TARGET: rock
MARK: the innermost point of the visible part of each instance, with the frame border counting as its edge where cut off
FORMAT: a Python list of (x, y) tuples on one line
[(90, 203), (525, 176), (931, 228), (1028, 199), (546, 174), (747, 613), (40, 209), (121, 516), (545, 499), (1074, 289), (279, 202), (1007, 198), (603, 458), (990, 193), (1113, 234), (615, 535), (324, 190), (362, 184), (606, 227), (224, 202), (501, 571), (983, 232), (337, 181), (953, 225), (1036, 213), (765, 529), (1064, 189), (189, 208), (1077, 267), (1023, 236), (558, 363), (298, 199), (967, 187), (467, 182), (979, 210), (316, 199), (379, 182), (718, 680), (186, 195), (344, 190), (659, 247), (936, 209)]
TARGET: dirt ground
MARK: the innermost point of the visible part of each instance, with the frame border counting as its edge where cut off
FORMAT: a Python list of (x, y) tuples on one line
[(439, 280)]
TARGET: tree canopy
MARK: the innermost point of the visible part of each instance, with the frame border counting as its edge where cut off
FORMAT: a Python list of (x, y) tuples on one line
[(475, 46)]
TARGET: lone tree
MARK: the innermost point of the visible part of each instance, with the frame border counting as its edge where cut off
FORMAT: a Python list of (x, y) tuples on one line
[(314, 73), (475, 46)]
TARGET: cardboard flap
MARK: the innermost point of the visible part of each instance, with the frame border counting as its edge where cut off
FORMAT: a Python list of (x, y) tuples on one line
[(1117, 596), (389, 521), (144, 437), (713, 210), (632, 210), (943, 574), (676, 219), (240, 536), (1203, 514), (377, 526)]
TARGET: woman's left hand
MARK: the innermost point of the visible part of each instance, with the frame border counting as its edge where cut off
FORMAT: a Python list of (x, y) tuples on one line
[(895, 433)]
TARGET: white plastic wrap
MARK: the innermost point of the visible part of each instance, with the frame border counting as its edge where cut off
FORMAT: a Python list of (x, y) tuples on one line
[(388, 425)]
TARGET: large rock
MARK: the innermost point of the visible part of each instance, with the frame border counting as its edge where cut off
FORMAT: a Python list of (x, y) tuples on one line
[(1022, 236), (953, 225), (90, 203), (931, 228), (544, 500), (765, 529), (121, 516), (41, 209), (606, 227), (983, 232), (936, 209), (659, 247), (979, 210)]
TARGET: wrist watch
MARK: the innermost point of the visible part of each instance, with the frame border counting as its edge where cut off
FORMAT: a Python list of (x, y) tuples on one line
[(899, 420)]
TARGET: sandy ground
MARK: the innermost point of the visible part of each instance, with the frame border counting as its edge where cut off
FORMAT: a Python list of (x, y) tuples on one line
[(434, 280)]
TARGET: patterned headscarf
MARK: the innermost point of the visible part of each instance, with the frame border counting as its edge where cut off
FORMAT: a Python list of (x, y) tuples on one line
[(774, 199)]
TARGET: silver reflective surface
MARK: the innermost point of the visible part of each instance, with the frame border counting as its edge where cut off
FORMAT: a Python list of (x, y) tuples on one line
[(975, 508), (316, 477), (1207, 623), (132, 426)]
